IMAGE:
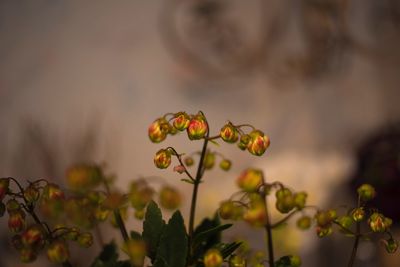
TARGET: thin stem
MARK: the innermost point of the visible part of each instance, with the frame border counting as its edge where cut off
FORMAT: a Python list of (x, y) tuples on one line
[(268, 230), (179, 157), (355, 246)]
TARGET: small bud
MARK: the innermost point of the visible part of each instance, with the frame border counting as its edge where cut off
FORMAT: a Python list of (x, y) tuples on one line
[(72, 234), (366, 192), (140, 197), (58, 252), (136, 250), (332, 214), (237, 261), (229, 133), (162, 160), (213, 258), (181, 121), (83, 177), (244, 141), (226, 210), (12, 205), (250, 180), (391, 245), (225, 164), (179, 169), (27, 255), (158, 130), (324, 219), (282, 193), (197, 128), (300, 200), (256, 215), (377, 223), (304, 222), (346, 221), (139, 214), (285, 204), (114, 200), (4, 187), (31, 194), (53, 192), (358, 214), (323, 231), (101, 213), (85, 240), (16, 221), (189, 161), (258, 143), (209, 161), (295, 261), (170, 198), (33, 236)]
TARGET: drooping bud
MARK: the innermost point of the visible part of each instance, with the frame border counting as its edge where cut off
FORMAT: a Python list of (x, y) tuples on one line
[(158, 130), (4, 187), (170, 198), (358, 214), (226, 210), (181, 121), (162, 159), (258, 143), (33, 236), (27, 255), (209, 160), (225, 164), (198, 127), (72, 234), (366, 192), (136, 250), (300, 200), (31, 194), (179, 169), (256, 215), (213, 258), (323, 231), (304, 222), (85, 240), (53, 192), (244, 141), (323, 219), (189, 161), (16, 221), (346, 222), (285, 203), (391, 245), (250, 180), (58, 252), (379, 223), (82, 177), (237, 261), (229, 133)]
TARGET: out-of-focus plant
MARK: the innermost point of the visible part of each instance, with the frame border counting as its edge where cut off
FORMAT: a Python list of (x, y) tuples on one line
[(45, 218)]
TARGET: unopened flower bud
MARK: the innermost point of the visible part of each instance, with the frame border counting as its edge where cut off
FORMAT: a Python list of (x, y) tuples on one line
[(256, 215), (72, 234), (237, 261), (250, 180), (53, 192), (140, 197), (170, 198), (213, 258), (346, 221), (323, 231), (332, 214), (258, 143), (33, 236), (4, 187), (136, 250), (139, 214), (366, 192), (197, 128), (285, 204), (209, 160), (179, 169), (325, 218), (27, 255), (85, 240), (31, 194), (12, 205), (181, 121), (16, 221), (300, 200), (82, 177), (358, 214), (58, 252), (225, 164), (162, 160), (226, 210), (391, 245), (377, 222), (158, 130), (229, 133), (244, 141), (189, 161), (304, 222)]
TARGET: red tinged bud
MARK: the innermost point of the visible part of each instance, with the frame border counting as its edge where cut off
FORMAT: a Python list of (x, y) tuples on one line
[(31, 194), (198, 127), (158, 130), (53, 192), (16, 221), (229, 133), (33, 236), (162, 159), (258, 143), (181, 121), (250, 180), (58, 252)]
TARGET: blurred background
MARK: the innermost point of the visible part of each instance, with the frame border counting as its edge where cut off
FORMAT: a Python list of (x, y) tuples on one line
[(83, 80)]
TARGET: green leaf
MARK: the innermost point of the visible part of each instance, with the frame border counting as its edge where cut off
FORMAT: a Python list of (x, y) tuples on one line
[(173, 246), (228, 249), (108, 256), (153, 226), (135, 235), (203, 236)]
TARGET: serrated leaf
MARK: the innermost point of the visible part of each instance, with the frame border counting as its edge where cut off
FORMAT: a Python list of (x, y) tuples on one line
[(153, 226), (107, 257), (173, 244)]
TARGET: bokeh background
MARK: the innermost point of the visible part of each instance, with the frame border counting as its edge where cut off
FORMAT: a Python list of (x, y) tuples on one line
[(82, 81)]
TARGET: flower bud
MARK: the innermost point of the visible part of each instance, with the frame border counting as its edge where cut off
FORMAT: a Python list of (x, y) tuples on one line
[(12, 205), (300, 200), (139, 214), (72, 234), (136, 250), (237, 261), (324, 219), (256, 215), (31, 194), (181, 121), (285, 204), (197, 128), (162, 160), (101, 213), (58, 252), (258, 143), (358, 214), (282, 193), (366, 192), (244, 141), (27, 255), (4, 187), (53, 192), (179, 169), (225, 164), (346, 221), (229, 133), (140, 197), (391, 245), (189, 161), (83, 177), (33, 236), (16, 221), (250, 180), (226, 210), (304, 222), (332, 214), (213, 258), (85, 240), (170, 198), (158, 130), (323, 231), (209, 160), (378, 223)]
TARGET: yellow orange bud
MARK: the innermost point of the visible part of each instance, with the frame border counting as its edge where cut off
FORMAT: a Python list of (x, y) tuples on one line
[(304, 222), (250, 180), (227, 210), (136, 250), (209, 160), (85, 239), (237, 261), (323, 231), (258, 143), (181, 121), (213, 258), (162, 158), (300, 200), (229, 133), (358, 214), (158, 130), (225, 164), (33, 236), (256, 215), (189, 161), (197, 128), (58, 252)]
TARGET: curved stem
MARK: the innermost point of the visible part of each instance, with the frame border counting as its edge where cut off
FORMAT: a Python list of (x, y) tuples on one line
[(179, 157)]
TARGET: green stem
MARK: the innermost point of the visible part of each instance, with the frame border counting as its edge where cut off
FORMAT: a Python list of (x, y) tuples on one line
[(355, 246)]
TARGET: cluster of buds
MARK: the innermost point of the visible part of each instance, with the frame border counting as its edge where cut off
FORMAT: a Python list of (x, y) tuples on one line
[(324, 220), (286, 200), (229, 210)]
